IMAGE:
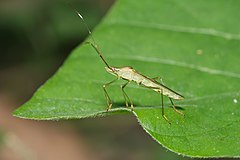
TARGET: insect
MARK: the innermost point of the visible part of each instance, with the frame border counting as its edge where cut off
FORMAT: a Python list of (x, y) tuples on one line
[(131, 75)]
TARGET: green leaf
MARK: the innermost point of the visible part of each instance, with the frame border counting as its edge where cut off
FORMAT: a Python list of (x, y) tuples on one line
[(193, 45)]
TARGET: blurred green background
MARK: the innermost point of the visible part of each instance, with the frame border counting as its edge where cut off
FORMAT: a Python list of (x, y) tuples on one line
[(36, 37)]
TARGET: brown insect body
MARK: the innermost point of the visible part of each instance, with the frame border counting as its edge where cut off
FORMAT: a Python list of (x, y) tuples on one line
[(130, 74)]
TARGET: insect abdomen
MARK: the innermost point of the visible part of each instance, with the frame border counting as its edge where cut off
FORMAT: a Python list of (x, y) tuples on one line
[(132, 75), (170, 94), (161, 89)]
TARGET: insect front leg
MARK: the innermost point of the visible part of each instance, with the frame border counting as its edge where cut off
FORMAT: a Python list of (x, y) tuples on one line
[(126, 96), (163, 114), (175, 109), (109, 101)]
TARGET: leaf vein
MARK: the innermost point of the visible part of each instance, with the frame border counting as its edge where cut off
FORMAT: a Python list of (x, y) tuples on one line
[(179, 64), (178, 28)]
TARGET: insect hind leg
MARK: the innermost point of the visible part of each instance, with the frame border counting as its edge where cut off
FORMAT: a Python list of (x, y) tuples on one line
[(127, 99), (108, 99), (163, 114), (158, 78), (175, 109)]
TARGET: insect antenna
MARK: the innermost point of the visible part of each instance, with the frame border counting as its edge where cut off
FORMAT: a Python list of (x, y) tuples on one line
[(94, 44)]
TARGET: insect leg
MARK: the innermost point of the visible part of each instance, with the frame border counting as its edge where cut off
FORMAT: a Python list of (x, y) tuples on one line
[(109, 101), (175, 109), (124, 93), (126, 96), (164, 116), (158, 78)]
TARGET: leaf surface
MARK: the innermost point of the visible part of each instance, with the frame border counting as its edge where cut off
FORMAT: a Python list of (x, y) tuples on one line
[(192, 45)]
